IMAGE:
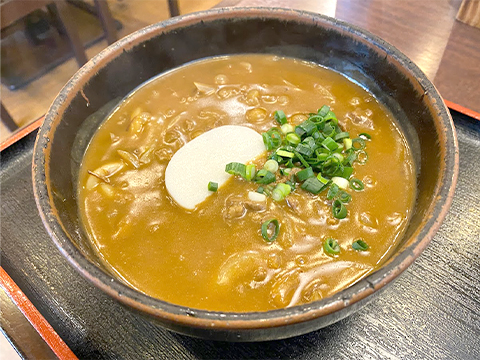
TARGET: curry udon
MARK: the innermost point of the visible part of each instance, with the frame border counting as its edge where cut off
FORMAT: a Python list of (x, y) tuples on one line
[(215, 257)]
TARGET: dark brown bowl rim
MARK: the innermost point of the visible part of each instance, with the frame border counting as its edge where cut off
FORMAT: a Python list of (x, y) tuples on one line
[(249, 320)]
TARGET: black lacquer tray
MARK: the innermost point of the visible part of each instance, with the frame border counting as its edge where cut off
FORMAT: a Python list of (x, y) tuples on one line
[(431, 312)]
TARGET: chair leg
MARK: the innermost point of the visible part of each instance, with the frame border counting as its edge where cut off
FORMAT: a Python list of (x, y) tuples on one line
[(7, 119), (107, 21), (69, 23), (173, 8)]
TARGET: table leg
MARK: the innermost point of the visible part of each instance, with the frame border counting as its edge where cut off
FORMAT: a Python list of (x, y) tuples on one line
[(69, 24), (7, 119)]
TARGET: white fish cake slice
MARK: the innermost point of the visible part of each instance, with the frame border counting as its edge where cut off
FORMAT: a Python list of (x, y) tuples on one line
[(203, 160)]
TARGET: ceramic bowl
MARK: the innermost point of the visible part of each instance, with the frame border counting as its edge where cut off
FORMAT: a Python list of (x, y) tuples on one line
[(366, 59)]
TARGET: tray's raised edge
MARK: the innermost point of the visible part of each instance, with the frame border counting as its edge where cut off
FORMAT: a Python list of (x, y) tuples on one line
[(41, 325), (21, 133), (462, 109)]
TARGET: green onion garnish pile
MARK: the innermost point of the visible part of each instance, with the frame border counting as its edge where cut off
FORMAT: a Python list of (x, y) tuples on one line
[(319, 151)]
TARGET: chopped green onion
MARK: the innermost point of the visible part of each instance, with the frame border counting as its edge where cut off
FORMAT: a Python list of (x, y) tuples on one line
[(332, 191), (329, 144), (286, 171), (331, 246), (339, 210), (212, 186), (331, 166), (323, 111), (318, 136), (281, 191), (266, 190), (350, 158), (250, 172), (356, 184), (328, 130), (272, 139), (301, 158), (322, 156), (344, 197), (368, 136), (331, 116), (322, 179), (310, 142), (267, 141), (304, 150), (347, 143), (341, 136), (358, 144), (271, 165), (280, 117), (339, 149), (362, 157), (291, 184), (313, 185), (317, 119), (340, 182), (305, 128), (274, 156), (304, 174), (287, 128), (293, 138), (285, 188), (285, 153), (266, 229), (360, 245), (338, 156), (290, 164), (264, 177), (236, 168), (269, 189), (347, 172)]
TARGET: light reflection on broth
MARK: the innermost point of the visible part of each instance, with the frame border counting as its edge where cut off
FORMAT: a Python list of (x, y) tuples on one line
[(215, 257)]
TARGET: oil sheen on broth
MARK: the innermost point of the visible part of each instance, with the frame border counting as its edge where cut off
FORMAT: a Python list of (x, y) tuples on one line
[(214, 257)]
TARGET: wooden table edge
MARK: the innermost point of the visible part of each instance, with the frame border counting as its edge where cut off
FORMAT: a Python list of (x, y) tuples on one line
[(21, 133), (40, 324), (462, 109)]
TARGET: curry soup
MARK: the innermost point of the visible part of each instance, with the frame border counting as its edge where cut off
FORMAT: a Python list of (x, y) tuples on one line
[(214, 257)]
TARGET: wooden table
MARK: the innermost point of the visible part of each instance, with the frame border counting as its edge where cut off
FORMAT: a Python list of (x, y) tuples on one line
[(447, 50), (431, 312)]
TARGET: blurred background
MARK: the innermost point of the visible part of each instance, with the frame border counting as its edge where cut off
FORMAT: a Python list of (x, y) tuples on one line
[(44, 42)]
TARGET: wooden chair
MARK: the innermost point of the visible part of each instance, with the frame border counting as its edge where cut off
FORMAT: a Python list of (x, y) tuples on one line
[(173, 8), (7, 119), (13, 10)]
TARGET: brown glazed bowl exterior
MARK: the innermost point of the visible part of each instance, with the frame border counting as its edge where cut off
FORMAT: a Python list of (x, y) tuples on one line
[(107, 78)]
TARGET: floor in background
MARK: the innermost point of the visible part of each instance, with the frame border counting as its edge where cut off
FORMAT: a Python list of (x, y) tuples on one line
[(32, 101)]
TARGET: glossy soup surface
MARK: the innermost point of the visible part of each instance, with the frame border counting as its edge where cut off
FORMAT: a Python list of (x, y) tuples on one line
[(214, 257)]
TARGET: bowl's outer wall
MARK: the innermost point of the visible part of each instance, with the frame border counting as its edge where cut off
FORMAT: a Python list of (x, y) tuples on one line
[(125, 65)]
